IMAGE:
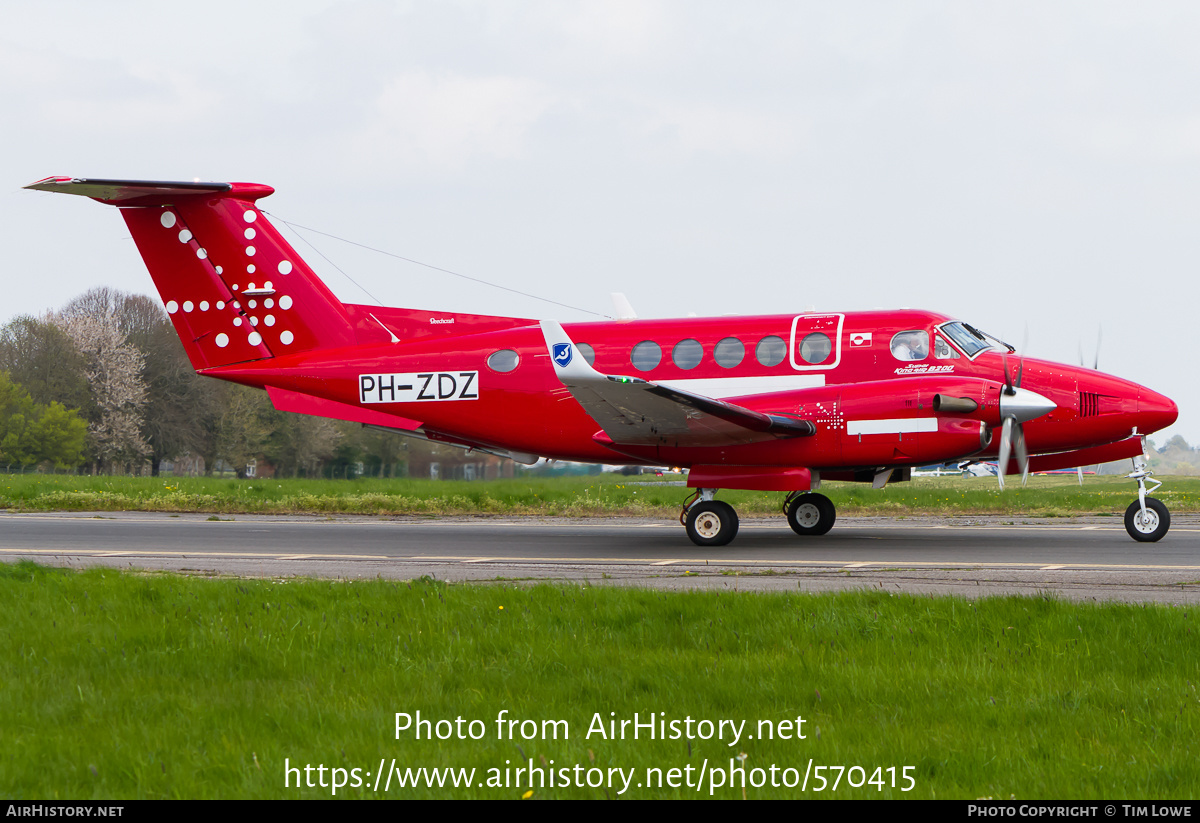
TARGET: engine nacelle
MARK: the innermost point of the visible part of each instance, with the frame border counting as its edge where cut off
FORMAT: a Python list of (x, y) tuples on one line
[(916, 420)]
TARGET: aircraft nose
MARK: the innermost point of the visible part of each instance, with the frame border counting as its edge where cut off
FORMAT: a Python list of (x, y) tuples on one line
[(1155, 411)]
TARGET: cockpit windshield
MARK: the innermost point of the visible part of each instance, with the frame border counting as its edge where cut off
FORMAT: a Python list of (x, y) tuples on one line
[(968, 338)]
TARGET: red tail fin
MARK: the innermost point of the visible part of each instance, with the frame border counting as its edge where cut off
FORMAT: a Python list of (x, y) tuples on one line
[(235, 289)]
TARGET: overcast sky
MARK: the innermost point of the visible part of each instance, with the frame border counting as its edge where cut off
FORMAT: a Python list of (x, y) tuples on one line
[(1014, 164)]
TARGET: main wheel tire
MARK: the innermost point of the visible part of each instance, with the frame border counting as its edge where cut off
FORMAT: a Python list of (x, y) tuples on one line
[(711, 523), (810, 515), (1155, 524)]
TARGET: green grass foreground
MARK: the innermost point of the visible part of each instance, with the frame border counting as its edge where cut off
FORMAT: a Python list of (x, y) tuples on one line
[(603, 495), (123, 685)]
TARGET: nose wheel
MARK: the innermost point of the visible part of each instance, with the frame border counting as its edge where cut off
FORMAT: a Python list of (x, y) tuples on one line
[(1149, 525), (1147, 518)]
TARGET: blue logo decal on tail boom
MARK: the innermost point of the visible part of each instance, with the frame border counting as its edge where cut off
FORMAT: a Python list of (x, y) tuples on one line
[(562, 354)]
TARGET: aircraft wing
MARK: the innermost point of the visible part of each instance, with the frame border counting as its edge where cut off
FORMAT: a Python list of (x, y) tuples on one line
[(636, 412)]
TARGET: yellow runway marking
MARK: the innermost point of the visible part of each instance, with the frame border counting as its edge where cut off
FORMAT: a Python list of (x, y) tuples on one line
[(882, 565), (231, 555)]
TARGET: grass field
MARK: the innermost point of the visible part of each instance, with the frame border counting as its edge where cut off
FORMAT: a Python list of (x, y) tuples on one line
[(120, 685), (1056, 496)]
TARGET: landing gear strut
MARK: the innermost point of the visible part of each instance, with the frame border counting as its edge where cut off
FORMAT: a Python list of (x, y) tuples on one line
[(809, 514), (1146, 519), (709, 522), (712, 522)]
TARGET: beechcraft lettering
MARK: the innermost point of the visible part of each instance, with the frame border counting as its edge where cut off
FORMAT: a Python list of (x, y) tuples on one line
[(418, 386)]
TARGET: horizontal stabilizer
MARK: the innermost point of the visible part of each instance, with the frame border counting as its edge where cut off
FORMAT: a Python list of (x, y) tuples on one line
[(635, 412), (299, 403), (128, 192)]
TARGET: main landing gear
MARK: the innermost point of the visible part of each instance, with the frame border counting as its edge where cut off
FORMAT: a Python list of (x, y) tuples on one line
[(809, 514), (1146, 519), (714, 523), (709, 522)]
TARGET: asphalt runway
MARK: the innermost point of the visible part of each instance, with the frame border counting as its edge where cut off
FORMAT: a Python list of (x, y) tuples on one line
[(1079, 558)]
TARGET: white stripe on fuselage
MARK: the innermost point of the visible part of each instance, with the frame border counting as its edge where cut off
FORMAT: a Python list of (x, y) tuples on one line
[(898, 425), (745, 386)]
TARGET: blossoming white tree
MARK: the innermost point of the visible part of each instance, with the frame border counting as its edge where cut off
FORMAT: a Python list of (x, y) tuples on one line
[(114, 374)]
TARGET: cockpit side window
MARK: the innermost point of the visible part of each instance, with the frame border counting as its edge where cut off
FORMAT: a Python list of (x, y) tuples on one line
[(943, 350), (910, 345), (969, 342)]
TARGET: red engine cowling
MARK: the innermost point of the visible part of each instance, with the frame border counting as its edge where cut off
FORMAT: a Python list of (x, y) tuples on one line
[(916, 420)]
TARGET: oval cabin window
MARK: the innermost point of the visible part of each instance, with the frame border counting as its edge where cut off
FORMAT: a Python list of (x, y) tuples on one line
[(503, 361), (645, 355)]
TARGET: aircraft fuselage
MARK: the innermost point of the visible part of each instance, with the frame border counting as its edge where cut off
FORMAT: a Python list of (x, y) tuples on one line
[(871, 409)]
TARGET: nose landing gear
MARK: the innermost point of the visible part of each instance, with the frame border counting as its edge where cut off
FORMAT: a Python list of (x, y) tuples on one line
[(1147, 518)]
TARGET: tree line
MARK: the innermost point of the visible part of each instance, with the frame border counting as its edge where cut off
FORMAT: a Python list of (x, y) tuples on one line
[(103, 386)]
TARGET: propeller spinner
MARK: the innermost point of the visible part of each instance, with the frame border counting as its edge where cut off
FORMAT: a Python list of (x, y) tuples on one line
[(1018, 406)]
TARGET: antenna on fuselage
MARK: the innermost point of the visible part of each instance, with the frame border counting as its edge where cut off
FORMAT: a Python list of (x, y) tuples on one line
[(622, 307)]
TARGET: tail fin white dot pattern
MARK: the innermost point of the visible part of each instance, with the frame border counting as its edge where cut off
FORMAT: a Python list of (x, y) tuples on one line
[(189, 247)]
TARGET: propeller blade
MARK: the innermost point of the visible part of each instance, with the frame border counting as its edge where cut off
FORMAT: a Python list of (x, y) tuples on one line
[(1006, 434), (1099, 337), (1079, 470), (1022, 454)]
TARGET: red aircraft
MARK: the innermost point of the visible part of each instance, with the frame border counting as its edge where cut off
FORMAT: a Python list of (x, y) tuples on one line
[(776, 402)]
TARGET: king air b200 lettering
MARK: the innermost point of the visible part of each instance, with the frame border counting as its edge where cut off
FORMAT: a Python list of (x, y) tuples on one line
[(418, 386)]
